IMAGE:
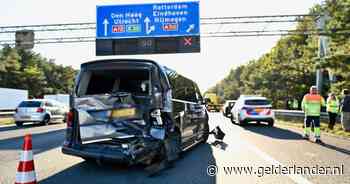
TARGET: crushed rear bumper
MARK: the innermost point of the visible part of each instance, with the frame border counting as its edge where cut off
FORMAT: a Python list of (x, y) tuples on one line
[(101, 154), (113, 153)]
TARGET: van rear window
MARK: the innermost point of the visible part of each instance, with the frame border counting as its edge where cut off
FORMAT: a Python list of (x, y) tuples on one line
[(257, 102), (108, 81), (30, 104)]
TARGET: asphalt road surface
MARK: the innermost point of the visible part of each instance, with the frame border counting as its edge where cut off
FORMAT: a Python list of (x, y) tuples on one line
[(257, 148)]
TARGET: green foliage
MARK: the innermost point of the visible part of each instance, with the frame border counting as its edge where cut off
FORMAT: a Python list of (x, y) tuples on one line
[(28, 70), (288, 70)]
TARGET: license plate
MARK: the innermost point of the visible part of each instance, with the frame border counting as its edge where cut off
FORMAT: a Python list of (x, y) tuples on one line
[(25, 117), (123, 113), (259, 110)]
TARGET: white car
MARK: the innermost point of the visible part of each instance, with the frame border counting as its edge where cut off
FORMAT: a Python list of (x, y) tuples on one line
[(39, 111), (252, 108)]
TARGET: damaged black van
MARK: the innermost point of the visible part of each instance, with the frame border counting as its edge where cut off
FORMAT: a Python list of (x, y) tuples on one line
[(133, 111)]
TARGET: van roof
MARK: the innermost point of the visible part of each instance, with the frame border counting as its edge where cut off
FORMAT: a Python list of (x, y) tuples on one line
[(100, 61)]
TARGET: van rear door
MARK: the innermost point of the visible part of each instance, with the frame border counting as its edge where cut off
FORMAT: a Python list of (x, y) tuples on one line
[(113, 102)]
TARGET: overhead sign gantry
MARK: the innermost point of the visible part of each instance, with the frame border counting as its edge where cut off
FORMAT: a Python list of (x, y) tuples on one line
[(148, 28)]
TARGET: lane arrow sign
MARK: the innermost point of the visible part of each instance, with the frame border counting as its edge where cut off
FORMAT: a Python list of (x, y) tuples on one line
[(105, 23), (148, 28), (190, 28)]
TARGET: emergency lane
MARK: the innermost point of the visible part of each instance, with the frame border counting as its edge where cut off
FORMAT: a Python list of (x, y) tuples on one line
[(250, 146)]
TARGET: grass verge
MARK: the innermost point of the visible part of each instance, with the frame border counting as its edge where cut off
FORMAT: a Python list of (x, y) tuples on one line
[(337, 130), (6, 121)]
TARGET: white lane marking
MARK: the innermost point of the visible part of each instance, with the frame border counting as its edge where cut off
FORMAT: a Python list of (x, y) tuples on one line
[(25, 177), (295, 177), (26, 156)]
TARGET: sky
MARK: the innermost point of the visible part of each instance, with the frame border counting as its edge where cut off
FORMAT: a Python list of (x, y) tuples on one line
[(217, 57)]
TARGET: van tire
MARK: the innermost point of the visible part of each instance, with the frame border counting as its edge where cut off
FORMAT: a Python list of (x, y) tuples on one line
[(19, 124), (89, 160), (163, 159), (232, 118), (242, 122), (206, 132), (46, 120), (271, 123)]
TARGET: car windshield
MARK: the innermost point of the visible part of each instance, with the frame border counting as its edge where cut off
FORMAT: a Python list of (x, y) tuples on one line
[(30, 104), (134, 81), (257, 102)]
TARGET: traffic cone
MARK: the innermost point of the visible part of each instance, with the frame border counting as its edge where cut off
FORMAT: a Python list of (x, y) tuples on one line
[(25, 171)]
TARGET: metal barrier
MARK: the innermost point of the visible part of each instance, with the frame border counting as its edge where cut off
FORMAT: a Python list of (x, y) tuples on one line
[(295, 114), (7, 112)]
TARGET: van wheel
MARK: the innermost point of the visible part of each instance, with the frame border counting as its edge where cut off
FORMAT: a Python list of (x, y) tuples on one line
[(242, 122), (206, 132), (271, 122), (171, 147), (169, 151), (232, 118), (19, 124), (46, 120), (89, 160)]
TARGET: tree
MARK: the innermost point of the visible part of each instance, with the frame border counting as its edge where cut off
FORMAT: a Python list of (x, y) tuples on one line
[(9, 68), (28, 70), (288, 70)]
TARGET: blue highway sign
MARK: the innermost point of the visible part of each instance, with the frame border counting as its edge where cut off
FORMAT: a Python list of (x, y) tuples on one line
[(147, 20)]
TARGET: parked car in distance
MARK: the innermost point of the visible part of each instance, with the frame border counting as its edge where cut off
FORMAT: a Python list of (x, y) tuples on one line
[(252, 108), (40, 111), (226, 109)]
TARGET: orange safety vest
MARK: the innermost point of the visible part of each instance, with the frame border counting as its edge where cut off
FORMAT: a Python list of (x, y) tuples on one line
[(311, 104)]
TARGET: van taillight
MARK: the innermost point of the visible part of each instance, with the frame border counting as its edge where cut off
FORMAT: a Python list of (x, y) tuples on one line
[(69, 130), (39, 109), (70, 117), (268, 112)]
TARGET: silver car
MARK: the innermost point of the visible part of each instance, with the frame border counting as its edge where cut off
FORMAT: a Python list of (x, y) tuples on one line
[(40, 111)]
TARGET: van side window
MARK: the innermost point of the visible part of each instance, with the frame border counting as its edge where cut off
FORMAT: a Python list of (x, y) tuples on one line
[(182, 88), (198, 95)]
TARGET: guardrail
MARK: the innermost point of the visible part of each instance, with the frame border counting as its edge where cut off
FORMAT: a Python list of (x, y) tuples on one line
[(295, 114), (7, 112)]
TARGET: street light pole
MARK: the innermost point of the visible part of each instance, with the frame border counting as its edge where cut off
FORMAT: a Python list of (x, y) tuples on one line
[(322, 49)]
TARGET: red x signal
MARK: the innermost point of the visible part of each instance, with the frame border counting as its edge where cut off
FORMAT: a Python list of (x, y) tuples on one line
[(187, 41)]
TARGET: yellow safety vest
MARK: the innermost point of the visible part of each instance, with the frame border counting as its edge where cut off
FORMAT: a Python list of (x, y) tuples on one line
[(332, 105)]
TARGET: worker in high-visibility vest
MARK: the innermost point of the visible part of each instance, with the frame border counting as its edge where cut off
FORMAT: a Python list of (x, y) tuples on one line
[(311, 106), (332, 109), (295, 104)]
